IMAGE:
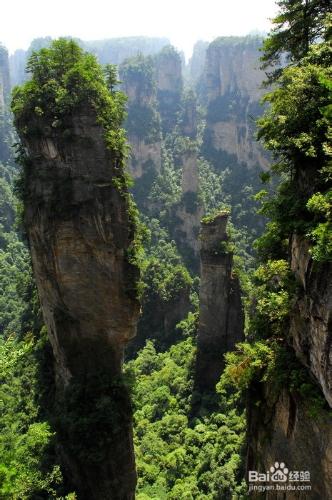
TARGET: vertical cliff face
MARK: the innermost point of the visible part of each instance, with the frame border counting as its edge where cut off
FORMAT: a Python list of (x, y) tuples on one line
[(311, 319), (284, 426), (4, 77), (220, 311), (169, 86), (197, 61), (143, 122), (232, 84), (80, 234), (4, 96), (189, 211), (282, 430)]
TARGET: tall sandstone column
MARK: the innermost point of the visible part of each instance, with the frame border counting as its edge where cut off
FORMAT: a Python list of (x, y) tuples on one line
[(220, 311), (80, 232)]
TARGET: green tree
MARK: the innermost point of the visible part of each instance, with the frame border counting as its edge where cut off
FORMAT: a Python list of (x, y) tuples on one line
[(298, 24), (111, 75)]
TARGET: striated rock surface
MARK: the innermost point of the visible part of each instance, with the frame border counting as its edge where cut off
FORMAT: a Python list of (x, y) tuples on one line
[(197, 61), (169, 86), (4, 78), (80, 231), (4, 96), (281, 430), (189, 211), (220, 313), (232, 84), (311, 319), (143, 122)]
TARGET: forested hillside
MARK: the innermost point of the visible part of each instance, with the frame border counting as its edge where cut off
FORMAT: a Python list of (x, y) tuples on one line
[(165, 253)]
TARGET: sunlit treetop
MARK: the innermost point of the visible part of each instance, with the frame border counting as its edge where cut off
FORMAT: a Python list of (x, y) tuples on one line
[(64, 78)]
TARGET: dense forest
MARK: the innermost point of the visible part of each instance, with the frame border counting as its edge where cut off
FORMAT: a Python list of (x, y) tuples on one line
[(165, 255)]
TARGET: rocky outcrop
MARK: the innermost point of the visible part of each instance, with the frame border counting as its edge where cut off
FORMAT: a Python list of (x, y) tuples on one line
[(197, 61), (281, 426), (143, 121), (232, 83), (4, 96), (282, 430), (189, 211), (220, 309), (4, 78), (311, 319), (169, 86), (80, 232)]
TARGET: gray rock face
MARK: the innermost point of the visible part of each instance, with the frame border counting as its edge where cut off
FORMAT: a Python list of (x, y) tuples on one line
[(169, 86), (79, 232), (4, 95), (311, 319), (4, 78), (280, 430), (143, 124), (220, 314), (232, 84)]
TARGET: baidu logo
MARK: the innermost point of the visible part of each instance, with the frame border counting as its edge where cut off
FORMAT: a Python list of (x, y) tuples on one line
[(280, 478)]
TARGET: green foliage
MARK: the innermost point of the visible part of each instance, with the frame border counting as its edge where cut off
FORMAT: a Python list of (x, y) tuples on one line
[(321, 205), (63, 79), (211, 191), (213, 216), (138, 72), (298, 24), (166, 289), (293, 128), (138, 77), (111, 75), (143, 122), (247, 363), (273, 290), (297, 129), (166, 190), (273, 363), (14, 276), (27, 469), (176, 457)]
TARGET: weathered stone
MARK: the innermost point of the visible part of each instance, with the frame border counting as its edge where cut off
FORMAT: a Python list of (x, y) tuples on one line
[(169, 86), (232, 82), (311, 318), (4, 96), (79, 232), (145, 141), (220, 309), (281, 430)]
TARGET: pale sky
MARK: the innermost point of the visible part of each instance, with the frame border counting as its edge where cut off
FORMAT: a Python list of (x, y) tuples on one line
[(182, 21)]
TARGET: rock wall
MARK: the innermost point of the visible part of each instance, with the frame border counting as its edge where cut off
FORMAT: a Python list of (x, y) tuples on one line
[(143, 122), (4, 78), (311, 320), (220, 310), (280, 424), (232, 86), (4, 96), (189, 211), (281, 430), (169, 86), (79, 232)]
